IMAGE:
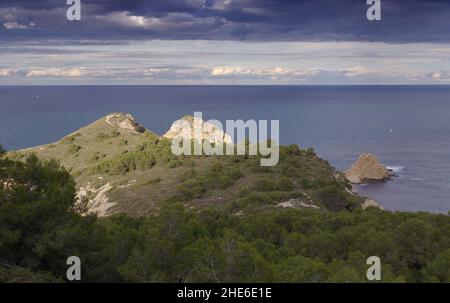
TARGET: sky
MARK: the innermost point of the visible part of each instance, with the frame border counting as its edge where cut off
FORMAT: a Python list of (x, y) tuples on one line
[(292, 42)]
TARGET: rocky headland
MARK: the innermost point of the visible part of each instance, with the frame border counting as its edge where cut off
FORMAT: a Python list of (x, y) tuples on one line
[(119, 166)]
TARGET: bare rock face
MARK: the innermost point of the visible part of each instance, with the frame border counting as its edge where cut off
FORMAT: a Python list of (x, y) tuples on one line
[(98, 201), (296, 203), (371, 203), (367, 168), (202, 131), (124, 122)]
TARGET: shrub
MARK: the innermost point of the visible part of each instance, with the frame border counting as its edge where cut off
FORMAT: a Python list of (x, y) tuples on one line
[(265, 184), (102, 136), (71, 138), (293, 149), (190, 189), (114, 134), (74, 149), (152, 181), (175, 163), (285, 184), (334, 198), (219, 177), (127, 162), (95, 156), (310, 152)]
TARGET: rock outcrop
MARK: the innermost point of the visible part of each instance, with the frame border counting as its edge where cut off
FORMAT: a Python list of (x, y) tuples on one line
[(371, 203), (97, 200), (124, 122), (202, 131), (367, 168), (7, 184), (296, 203)]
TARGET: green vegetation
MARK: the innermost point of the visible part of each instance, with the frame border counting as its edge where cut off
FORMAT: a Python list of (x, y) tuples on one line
[(335, 198), (35, 200), (40, 228), (102, 136), (71, 138), (145, 156), (152, 181), (266, 184), (194, 185), (101, 153), (74, 149), (200, 218)]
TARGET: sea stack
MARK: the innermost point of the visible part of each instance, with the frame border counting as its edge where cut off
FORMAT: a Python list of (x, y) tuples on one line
[(367, 168)]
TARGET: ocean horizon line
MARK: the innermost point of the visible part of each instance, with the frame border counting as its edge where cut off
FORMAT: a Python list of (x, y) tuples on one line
[(228, 85)]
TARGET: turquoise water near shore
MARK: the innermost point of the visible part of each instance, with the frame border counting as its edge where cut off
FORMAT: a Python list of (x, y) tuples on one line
[(407, 127)]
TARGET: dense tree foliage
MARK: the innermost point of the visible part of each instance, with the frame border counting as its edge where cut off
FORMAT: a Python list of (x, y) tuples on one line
[(35, 199), (39, 229)]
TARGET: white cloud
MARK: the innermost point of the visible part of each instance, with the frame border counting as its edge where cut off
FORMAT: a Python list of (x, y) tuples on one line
[(100, 73), (56, 72), (6, 72), (355, 71), (224, 62), (228, 70), (8, 14), (170, 21), (221, 4), (279, 72), (239, 70), (126, 19), (439, 76), (16, 25), (351, 75), (221, 74)]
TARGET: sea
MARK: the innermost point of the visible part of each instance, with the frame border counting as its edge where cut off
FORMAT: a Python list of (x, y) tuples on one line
[(407, 127)]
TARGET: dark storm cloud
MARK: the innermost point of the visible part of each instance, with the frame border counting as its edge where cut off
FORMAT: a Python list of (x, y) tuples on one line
[(255, 20)]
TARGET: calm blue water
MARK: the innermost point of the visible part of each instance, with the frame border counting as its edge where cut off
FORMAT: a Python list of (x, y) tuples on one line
[(408, 127)]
